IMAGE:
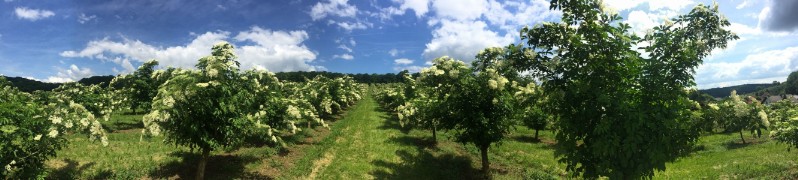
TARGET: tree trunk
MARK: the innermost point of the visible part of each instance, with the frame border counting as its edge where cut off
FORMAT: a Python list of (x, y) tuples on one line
[(741, 136), (202, 163), (485, 164), (434, 135), (536, 133), (308, 124)]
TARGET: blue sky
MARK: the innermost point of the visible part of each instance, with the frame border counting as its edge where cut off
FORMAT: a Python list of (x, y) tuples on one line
[(66, 40)]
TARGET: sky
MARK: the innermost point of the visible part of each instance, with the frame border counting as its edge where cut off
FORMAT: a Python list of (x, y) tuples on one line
[(66, 40)]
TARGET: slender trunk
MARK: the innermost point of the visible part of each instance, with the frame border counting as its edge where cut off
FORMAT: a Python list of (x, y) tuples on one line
[(308, 124), (485, 164), (741, 136), (434, 135), (536, 133), (203, 162)]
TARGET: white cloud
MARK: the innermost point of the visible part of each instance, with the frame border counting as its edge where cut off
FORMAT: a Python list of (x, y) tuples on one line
[(338, 8), (345, 48), (460, 28), (420, 7), (674, 5), (402, 61), (393, 52), (83, 18), (351, 26), (462, 40), (73, 73), (762, 66), (744, 4), (462, 10), (272, 50), (344, 56), (742, 29), (511, 15), (641, 21), (405, 64), (32, 14), (621, 5)]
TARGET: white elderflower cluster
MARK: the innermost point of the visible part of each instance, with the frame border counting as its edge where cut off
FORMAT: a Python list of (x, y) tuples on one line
[(496, 81), (293, 112)]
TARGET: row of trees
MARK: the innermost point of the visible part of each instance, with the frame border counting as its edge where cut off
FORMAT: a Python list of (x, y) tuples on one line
[(215, 106), (618, 111), (33, 126)]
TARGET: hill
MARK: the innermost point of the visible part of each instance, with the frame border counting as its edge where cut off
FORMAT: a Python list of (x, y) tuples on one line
[(741, 89)]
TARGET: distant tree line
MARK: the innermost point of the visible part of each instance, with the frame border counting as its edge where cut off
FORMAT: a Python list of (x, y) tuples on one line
[(29, 85), (301, 76)]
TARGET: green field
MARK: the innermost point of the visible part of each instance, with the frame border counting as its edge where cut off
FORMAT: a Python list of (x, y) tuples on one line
[(366, 142)]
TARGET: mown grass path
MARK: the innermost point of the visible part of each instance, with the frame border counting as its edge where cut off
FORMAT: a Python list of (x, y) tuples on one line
[(368, 144)]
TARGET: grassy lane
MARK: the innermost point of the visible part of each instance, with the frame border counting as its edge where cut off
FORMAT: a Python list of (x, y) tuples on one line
[(367, 144)]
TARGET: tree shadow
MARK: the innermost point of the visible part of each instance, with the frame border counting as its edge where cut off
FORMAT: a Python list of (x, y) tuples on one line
[(413, 141), (424, 165), (124, 125), (73, 169), (218, 167), (736, 144), (526, 139), (392, 122)]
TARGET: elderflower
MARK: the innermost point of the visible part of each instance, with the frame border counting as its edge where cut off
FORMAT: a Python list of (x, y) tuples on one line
[(8, 166), (55, 119), (104, 140), (713, 106), (213, 72), (492, 84), (38, 137), (169, 101), (293, 112), (763, 117), (53, 133), (202, 85)]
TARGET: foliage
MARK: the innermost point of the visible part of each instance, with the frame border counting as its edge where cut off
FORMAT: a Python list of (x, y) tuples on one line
[(31, 131), (791, 85), (621, 114), (139, 87), (784, 118)]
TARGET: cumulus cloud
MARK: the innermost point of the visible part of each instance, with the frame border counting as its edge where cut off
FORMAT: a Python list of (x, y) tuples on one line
[(83, 18), (462, 10), (262, 49), (338, 8), (755, 68), (402, 61), (73, 73), (351, 26), (460, 28), (673, 5), (405, 64), (779, 16), (420, 7), (343, 56), (32, 14), (463, 40)]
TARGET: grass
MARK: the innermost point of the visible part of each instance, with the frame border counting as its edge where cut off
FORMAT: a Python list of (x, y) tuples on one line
[(368, 143)]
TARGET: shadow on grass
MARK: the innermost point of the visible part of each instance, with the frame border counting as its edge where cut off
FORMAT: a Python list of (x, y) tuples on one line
[(72, 170), (123, 125), (218, 167), (392, 122), (413, 141), (739, 144), (425, 165), (526, 139)]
